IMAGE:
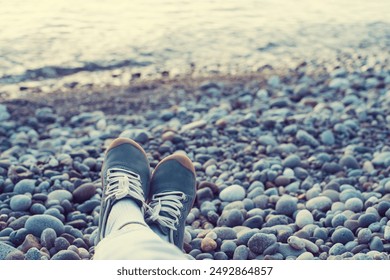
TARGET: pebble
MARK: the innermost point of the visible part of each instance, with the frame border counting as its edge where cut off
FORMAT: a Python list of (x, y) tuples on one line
[(231, 218), (327, 138), (367, 219), (84, 192), (364, 236), (306, 256), (20, 202), (296, 242), (208, 245), (342, 235), (337, 249), (66, 255), (303, 218), (241, 253), (286, 205), (59, 195), (232, 193), (38, 223), (349, 162), (354, 204), (307, 139), (48, 238), (321, 203), (260, 241), (292, 161), (6, 249), (25, 186)]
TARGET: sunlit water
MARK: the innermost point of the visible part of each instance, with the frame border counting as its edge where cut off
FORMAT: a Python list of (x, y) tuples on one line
[(52, 38)]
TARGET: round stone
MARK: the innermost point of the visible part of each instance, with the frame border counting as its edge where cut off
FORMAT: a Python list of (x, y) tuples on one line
[(349, 162), (231, 218), (367, 219), (304, 217), (296, 242), (232, 193), (20, 202), (292, 161), (66, 255), (25, 186), (241, 253), (261, 241), (84, 192), (286, 205), (38, 223), (337, 249), (354, 204), (321, 203), (48, 238), (306, 256), (342, 235), (338, 220), (327, 138), (376, 244), (364, 235), (59, 195), (208, 245)]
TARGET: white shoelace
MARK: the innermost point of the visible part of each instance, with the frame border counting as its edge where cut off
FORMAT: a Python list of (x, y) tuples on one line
[(122, 183), (168, 203)]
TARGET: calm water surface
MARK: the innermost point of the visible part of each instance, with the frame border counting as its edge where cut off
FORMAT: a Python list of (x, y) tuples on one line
[(52, 38)]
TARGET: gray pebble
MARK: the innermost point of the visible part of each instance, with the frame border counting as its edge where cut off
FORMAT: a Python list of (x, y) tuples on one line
[(306, 139), (303, 218), (322, 203), (25, 186), (66, 255), (241, 253), (260, 241), (38, 223), (286, 205), (342, 235), (232, 193), (20, 202), (327, 138), (292, 161)]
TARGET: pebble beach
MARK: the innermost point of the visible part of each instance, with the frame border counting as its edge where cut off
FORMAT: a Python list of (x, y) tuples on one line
[(291, 164)]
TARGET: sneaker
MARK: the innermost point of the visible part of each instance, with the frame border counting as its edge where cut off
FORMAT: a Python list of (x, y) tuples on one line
[(125, 174), (172, 191)]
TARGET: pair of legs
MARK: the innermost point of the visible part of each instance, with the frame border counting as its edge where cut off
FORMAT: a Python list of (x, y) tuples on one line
[(142, 215)]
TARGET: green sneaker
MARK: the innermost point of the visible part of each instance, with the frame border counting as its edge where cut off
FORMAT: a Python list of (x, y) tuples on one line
[(172, 191), (125, 174)]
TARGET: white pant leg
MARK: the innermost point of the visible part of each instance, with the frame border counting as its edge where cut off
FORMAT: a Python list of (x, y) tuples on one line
[(136, 242)]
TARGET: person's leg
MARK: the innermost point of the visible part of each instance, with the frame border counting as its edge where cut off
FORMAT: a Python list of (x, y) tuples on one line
[(122, 231), (172, 194)]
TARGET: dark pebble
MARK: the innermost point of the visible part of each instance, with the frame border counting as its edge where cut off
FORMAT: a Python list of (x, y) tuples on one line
[(260, 241), (241, 253), (337, 249), (342, 235), (286, 205), (231, 218), (367, 219), (66, 255), (48, 238), (376, 244), (254, 222), (61, 244), (84, 192), (38, 223)]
